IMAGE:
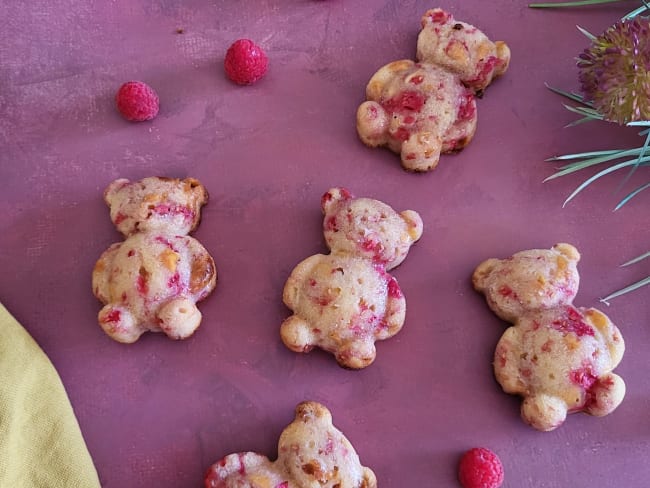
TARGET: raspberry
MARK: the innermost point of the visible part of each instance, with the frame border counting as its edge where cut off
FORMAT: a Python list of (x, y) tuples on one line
[(245, 62), (480, 468), (137, 101)]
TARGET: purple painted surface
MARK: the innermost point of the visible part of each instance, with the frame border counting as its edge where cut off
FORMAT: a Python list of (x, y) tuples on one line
[(159, 412)]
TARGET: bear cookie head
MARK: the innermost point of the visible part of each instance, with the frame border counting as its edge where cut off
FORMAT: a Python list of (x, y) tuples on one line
[(462, 49), (152, 280), (535, 279), (368, 228), (557, 356), (312, 452), (156, 203)]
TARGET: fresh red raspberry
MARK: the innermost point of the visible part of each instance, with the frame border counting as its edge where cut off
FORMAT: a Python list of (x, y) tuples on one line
[(137, 101), (480, 468), (245, 62)]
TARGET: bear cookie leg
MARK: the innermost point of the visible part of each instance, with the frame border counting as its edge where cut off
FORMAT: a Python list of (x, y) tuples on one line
[(544, 412), (421, 152), (296, 334), (605, 395), (356, 354), (119, 323), (179, 318)]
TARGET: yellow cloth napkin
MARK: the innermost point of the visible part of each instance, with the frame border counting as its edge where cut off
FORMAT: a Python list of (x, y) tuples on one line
[(40, 442)]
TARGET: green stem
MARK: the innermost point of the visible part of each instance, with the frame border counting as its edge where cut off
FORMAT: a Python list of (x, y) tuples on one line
[(638, 163), (572, 4), (637, 259), (627, 289), (631, 195), (637, 11), (604, 172)]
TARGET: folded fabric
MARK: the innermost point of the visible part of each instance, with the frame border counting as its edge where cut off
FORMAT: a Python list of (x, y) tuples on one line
[(40, 441)]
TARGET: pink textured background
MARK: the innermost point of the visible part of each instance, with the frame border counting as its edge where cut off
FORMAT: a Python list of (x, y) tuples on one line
[(159, 412)]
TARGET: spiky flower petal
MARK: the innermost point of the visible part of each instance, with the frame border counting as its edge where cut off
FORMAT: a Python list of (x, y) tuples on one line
[(615, 71)]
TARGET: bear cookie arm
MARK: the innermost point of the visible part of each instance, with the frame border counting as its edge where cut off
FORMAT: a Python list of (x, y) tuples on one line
[(423, 109), (344, 301), (312, 452), (560, 358), (152, 280)]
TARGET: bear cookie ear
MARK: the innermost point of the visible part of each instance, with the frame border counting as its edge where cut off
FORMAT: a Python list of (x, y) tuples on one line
[(482, 272), (113, 189), (414, 223), (194, 186), (568, 251), (333, 196)]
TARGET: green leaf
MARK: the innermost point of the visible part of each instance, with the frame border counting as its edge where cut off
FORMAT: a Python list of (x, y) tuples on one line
[(627, 289), (571, 4), (568, 169), (637, 11), (604, 172), (605, 158), (586, 163), (633, 286), (571, 95), (631, 195), (585, 112), (579, 121), (586, 33), (587, 154), (637, 259), (633, 170)]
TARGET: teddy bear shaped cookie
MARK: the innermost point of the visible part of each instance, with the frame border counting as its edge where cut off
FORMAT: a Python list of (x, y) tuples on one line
[(423, 109), (153, 279), (312, 453), (346, 300), (559, 357)]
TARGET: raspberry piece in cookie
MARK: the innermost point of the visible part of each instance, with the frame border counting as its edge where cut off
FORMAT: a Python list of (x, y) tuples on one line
[(245, 62), (346, 300), (311, 452), (137, 101), (557, 356)]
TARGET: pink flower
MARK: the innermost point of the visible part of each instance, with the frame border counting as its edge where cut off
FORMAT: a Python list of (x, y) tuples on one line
[(615, 71)]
